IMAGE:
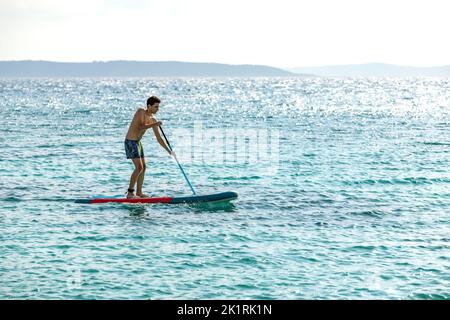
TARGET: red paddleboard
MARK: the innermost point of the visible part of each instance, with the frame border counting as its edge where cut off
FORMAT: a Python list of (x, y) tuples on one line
[(224, 196)]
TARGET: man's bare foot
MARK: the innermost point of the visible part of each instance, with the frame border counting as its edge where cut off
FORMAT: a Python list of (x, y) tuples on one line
[(142, 195), (131, 195)]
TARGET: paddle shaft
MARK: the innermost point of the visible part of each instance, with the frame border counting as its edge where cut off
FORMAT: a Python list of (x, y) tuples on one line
[(179, 165)]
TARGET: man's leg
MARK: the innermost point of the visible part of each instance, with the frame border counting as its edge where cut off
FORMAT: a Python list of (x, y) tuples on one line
[(140, 179), (135, 175)]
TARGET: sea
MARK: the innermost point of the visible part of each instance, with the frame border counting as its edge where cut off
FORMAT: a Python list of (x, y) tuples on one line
[(343, 189)]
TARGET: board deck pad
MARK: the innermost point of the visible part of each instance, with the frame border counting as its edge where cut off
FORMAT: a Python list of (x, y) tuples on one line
[(223, 196)]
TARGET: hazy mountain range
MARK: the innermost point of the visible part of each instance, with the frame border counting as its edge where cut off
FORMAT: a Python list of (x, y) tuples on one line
[(375, 70), (135, 69), (123, 68)]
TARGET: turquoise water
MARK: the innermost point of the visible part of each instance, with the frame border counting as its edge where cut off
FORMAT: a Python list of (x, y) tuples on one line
[(353, 203)]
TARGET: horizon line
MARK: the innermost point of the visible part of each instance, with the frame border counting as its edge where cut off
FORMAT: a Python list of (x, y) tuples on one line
[(234, 64)]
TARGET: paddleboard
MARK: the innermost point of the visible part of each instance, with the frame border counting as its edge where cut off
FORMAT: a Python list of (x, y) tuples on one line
[(223, 196)]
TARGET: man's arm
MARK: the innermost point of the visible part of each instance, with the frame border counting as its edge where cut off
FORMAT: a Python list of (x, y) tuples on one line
[(152, 125), (146, 125)]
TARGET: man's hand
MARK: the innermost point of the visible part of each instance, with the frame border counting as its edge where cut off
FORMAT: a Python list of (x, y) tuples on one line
[(172, 154)]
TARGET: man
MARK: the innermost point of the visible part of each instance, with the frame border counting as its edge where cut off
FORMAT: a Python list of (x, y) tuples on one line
[(143, 119)]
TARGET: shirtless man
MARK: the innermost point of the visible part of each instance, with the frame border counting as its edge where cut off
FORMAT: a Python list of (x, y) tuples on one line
[(143, 119)]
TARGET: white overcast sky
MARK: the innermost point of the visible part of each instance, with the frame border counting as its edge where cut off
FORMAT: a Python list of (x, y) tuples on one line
[(280, 33)]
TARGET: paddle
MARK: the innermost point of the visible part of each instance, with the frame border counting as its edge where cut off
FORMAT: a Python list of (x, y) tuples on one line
[(179, 165)]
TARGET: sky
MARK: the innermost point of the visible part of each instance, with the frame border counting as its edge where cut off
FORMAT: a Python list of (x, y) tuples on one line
[(279, 33)]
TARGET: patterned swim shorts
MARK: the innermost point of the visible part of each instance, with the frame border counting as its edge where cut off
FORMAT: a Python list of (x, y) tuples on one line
[(133, 149)]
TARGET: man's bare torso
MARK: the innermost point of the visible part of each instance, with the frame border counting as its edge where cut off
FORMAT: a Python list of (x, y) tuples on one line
[(136, 131)]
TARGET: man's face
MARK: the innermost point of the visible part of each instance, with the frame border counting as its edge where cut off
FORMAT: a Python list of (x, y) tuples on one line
[(154, 108)]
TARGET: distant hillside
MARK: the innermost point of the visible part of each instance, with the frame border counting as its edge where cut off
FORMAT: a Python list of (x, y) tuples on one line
[(134, 69), (375, 70)]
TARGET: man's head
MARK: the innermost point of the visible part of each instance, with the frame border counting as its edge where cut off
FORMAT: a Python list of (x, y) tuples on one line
[(153, 104)]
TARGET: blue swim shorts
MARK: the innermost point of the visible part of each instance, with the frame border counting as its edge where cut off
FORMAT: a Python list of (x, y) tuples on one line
[(133, 149)]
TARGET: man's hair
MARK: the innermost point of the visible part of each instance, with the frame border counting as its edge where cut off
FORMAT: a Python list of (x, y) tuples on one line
[(152, 100)]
